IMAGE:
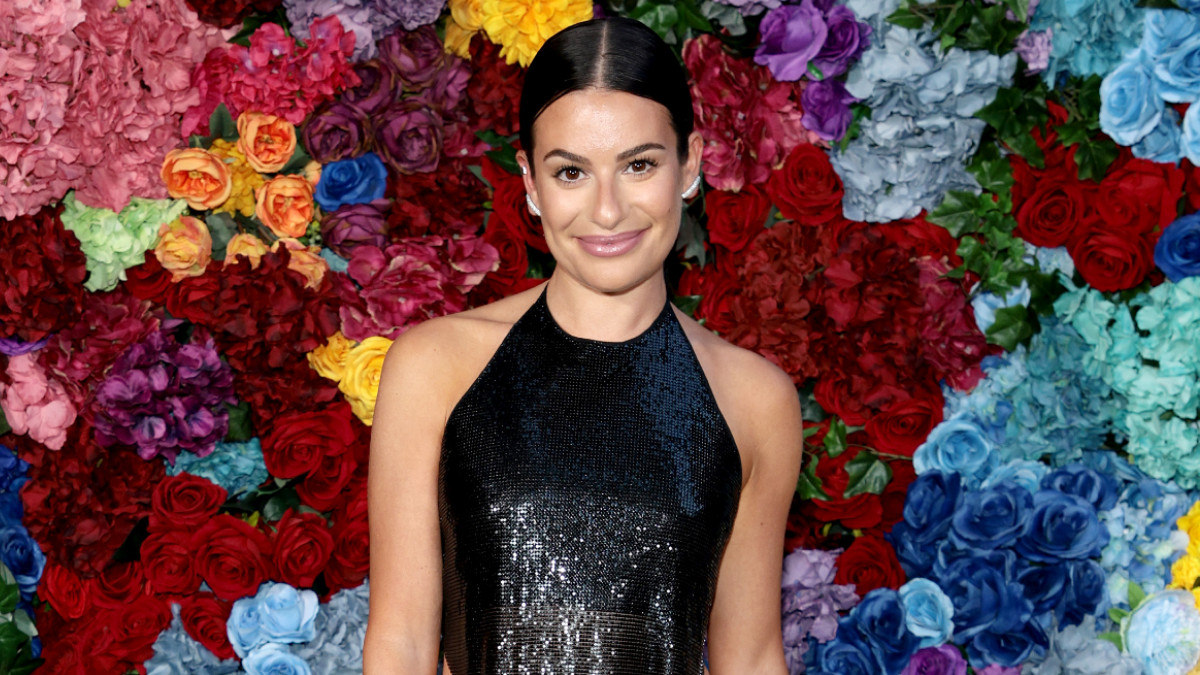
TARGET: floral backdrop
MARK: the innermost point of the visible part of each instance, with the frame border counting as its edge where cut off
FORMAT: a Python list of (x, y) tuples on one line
[(968, 229)]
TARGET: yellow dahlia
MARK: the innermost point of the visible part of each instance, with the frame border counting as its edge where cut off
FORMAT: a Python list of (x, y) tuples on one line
[(521, 27), (243, 176), (1185, 572)]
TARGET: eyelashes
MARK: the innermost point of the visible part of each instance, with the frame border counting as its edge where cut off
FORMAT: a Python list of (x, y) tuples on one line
[(651, 163)]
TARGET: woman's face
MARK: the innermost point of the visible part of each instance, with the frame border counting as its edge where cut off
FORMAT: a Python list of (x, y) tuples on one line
[(608, 184)]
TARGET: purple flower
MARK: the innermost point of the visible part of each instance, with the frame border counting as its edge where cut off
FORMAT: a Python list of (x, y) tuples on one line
[(409, 137), (416, 58), (943, 660), (16, 346), (827, 108), (1034, 48), (355, 225), (846, 40), (792, 35), (376, 90), (409, 14), (336, 130), (811, 601)]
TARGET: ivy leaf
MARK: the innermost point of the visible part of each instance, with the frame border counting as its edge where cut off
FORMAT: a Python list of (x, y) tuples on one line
[(835, 438), (1093, 156), (505, 157), (1010, 328), (859, 112), (906, 18), (241, 429), (690, 16), (991, 171), (868, 475), (809, 484), (688, 303), (957, 212), (1019, 8), (278, 504)]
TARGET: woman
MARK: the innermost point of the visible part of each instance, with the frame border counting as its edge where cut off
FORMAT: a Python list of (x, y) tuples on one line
[(579, 478)]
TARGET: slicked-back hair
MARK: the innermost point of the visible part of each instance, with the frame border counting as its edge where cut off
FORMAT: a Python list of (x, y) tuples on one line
[(616, 54)]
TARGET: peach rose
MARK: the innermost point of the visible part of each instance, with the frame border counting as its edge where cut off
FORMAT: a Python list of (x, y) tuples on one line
[(267, 141), (198, 176), (312, 171), (247, 245), (285, 205), (306, 260), (184, 247)]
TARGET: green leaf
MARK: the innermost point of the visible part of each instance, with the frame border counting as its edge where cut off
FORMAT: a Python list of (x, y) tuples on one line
[(1157, 4), (1136, 595), (221, 124), (809, 485), (1094, 157), (24, 622), (1113, 637), (859, 112), (506, 158), (1026, 146), (10, 593), (868, 475), (4, 426), (278, 504), (1116, 614), (691, 238), (835, 438), (241, 428), (478, 171), (661, 18), (690, 16), (991, 171), (1019, 8), (221, 228), (688, 303), (297, 161), (906, 18), (1011, 327), (814, 73), (957, 212)]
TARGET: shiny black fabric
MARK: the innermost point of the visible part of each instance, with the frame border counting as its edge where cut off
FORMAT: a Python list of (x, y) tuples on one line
[(587, 490)]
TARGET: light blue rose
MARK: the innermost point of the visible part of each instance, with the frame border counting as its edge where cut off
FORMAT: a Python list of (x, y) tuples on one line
[(1164, 143), (1177, 69), (1190, 137), (1164, 633), (275, 659), (928, 612), (244, 626), (1026, 473), (287, 614), (1166, 29), (957, 445), (1130, 105)]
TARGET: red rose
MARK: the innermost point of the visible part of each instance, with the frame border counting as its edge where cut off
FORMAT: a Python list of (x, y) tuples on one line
[(118, 585), (65, 591), (1053, 215), (323, 488), (137, 627), (869, 563), (1191, 185), (184, 502), (716, 284), (351, 558), (94, 648), (167, 558), (204, 618), (297, 442), (510, 277), (1139, 196), (806, 188), (148, 281), (1112, 261), (903, 425), (508, 204), (302, 547), (895, 493), (233, 557), (736, 218), (858, 512)]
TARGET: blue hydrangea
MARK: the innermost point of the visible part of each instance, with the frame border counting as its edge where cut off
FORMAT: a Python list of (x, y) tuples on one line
[(341, 627), (1078, 650), (237, 467), (176, 653), (914, 146), (1089, 36)]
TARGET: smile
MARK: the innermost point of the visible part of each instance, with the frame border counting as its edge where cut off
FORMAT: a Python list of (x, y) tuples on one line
[(611, 245)]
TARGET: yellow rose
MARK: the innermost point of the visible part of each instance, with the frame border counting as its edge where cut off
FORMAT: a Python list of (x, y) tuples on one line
[(285, 205), (267, 141), (360, 381), (246, 245), (184, 247), (198, 176), (1185, 572), (306, 260), (329, 360)]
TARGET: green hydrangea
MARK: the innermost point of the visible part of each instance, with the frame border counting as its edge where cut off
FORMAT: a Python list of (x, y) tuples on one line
[(114, 242)]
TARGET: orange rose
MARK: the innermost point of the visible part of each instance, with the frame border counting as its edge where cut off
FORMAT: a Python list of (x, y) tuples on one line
[(198, 176), (285, 205), (184, 247), (306, 260), (267, 141), (247, 245)]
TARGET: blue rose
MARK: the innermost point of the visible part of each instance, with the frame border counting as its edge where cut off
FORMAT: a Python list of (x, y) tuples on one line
[(1085, 593), (1045, 585), (1190, 138), (1164, 143), (928, 612), (1062, 527), (957, 445), (1177, 70), (351, 181), (928, 506), (991, 518), (880, 620), (1010, 648), (20, 553), (275, 659), (847, 653), (1177, 252), (1096, 488), (1165, 30), (244, 626), (915, 556), (287, 615), (13, 471), (1024, 472), (1130, 105), (985, 595)]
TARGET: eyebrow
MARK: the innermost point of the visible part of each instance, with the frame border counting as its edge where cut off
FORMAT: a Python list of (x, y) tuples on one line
[(572, 157)]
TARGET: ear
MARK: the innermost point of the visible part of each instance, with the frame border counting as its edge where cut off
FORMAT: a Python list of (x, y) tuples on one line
[(695, 152), (527, 175)]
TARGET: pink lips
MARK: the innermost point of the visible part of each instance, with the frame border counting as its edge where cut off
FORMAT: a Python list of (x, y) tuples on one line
[(610, 245)]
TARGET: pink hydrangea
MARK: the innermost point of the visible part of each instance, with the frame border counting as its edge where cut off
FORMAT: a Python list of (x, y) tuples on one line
[(34, 404)]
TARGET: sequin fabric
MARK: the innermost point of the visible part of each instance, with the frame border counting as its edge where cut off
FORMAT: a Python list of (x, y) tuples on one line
[(587, 490)]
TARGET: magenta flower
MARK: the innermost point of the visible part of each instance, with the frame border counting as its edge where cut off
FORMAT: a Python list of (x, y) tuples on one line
[(792, 36)]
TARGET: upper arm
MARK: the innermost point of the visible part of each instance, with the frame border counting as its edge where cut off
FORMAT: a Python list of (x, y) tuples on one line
[(405, 606), (745, 634)]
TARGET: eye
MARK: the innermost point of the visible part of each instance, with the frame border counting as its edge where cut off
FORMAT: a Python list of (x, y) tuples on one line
[(642, 164), (569, 173)]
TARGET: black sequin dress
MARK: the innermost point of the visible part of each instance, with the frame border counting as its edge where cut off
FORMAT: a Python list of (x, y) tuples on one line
[(587, 490)]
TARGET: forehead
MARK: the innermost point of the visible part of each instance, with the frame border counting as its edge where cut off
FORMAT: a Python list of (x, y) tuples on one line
[(599, 121)]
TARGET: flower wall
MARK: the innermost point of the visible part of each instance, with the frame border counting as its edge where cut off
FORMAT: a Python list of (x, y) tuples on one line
[(968, 231)]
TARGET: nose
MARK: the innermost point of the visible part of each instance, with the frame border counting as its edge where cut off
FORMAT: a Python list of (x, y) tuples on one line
[(608, 208)]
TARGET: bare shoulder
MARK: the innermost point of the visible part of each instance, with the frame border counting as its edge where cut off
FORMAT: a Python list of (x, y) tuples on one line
[(757, 397)]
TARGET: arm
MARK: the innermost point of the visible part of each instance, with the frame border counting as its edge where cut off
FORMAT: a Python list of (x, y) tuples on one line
[(403, 628), (745, 635)]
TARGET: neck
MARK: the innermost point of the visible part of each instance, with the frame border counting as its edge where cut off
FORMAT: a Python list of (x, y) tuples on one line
[(590, 313)]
